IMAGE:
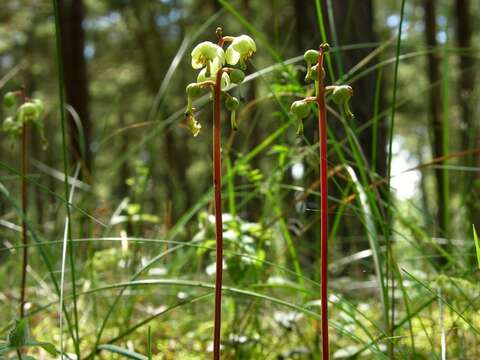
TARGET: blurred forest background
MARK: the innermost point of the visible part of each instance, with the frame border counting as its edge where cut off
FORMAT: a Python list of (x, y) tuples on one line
[(141, 214)]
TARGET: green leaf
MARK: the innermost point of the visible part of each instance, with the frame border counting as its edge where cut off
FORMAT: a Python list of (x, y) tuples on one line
[(50, 348), (125, 352), (4, 348), (477, 245), (17, 336)]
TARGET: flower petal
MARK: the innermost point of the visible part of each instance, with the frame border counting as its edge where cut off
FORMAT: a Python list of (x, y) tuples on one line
[(232, 56)]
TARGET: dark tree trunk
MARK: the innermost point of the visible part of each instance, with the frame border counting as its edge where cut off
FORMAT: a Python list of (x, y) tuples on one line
[(435, 104), (76, 80), (354, 23), (468, 129)]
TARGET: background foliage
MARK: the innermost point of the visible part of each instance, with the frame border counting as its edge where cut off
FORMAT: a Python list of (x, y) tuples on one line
[(141, 215)]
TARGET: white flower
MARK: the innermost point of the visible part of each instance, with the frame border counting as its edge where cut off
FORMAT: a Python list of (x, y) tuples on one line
[(202, 76), (208, 52), (241, 48)]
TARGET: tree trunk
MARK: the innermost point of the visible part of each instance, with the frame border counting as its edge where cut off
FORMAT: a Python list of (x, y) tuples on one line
[(76, 80), (468, 130), (435, 104), (353, 21)]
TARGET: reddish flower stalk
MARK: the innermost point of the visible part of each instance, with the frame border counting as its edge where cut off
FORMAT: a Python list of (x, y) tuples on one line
[(322, 134), (24, 168), (217, 182)]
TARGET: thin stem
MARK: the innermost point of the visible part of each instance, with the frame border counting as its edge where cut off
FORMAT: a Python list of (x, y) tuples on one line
[(322, 134), (390, 276), (61, 95), (24, 168), (217, 183)]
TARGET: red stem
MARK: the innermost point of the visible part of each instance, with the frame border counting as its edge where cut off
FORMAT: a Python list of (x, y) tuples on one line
[(322, 134), (24, 167), (217, 182)]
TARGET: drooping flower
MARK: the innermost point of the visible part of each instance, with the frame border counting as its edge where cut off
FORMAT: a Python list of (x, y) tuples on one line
[(341, 96), (208, 54), (202, 76), (241, 48), (232, 104), (301, 110)]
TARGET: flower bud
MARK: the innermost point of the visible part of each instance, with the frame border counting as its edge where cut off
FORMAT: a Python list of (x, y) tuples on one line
[(342, 94), (193, 90), (325, 47), (311, 56), (10, 126), (9, 99), (314, 73), (300, 109), (237, 76), (231, 103)]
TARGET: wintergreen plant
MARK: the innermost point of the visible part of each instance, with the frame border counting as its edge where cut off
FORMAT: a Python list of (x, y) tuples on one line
[(340, 94), (23, 111), (19, 339), (219, 68)]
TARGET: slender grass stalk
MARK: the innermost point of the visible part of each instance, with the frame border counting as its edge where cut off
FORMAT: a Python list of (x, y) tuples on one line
[(389, 263), (322, 135), (217, 183), (24, 169)]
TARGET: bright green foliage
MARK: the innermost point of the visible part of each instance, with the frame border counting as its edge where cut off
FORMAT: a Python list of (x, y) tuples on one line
[(477, 245), (18, 334), (18, 338)]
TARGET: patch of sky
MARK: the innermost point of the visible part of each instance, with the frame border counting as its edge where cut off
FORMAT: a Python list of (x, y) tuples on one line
[(102, 22), (89, 51), (405, 184)]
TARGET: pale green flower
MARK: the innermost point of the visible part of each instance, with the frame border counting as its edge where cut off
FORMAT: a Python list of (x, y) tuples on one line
[(241, 48), (202, 76), (193, 124), (208, 54)]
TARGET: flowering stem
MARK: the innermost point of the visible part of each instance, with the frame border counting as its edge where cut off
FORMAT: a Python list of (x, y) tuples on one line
[(24, 166), (322, 134), (217, 183)]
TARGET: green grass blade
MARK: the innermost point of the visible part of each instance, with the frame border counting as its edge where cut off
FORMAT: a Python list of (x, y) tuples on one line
[(125, 353), (477, 245), (61, 96)]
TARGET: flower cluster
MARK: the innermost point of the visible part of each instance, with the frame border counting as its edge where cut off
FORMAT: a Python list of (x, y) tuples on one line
[(211, 58), (340, 94), (22, 111)]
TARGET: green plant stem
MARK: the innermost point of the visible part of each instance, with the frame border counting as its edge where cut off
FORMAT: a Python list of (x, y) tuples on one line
[(322, 135), (24, 168), (61, 95), (217, 184), (389, 261)]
